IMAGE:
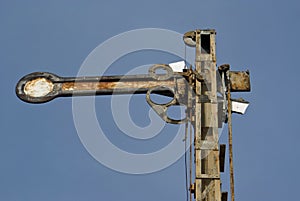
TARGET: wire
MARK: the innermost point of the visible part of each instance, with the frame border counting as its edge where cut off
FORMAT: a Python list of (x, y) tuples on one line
[(185, 65), (185, 161), (191, 167), (191, 134), (185, 142)]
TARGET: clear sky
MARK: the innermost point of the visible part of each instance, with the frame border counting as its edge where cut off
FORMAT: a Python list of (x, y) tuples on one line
[(41, 155)]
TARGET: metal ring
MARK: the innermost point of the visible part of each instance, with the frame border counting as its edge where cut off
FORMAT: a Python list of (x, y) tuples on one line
[(160, 88), (174, 121), (161, 109), (166, 76)]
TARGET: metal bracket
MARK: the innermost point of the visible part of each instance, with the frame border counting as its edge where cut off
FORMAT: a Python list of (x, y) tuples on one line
[(161, 109)]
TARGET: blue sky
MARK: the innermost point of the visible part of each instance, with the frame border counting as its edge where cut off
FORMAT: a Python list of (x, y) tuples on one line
[(41, 155)]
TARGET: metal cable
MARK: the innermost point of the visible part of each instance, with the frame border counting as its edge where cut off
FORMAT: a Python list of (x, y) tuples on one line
[(191, 158), (185, 161), (230, 139), (185, 66)]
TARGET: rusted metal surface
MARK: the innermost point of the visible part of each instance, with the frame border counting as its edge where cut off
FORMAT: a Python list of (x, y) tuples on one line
[(207, 173), (43, 87), (240, 81), (37, 87), (229, 115), (195, 88), (197, 123), (114, 87)]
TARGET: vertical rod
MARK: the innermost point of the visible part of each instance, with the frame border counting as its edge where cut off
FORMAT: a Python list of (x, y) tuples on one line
[(191, 159), (198, 116), (190, 105), (230, 137), (185, 157)]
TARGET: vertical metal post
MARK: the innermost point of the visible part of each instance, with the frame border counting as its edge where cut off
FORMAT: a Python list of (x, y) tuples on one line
[(197, 126), (207, 186), (230, 136)]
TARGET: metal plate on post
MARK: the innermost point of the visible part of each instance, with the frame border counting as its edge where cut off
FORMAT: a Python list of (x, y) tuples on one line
[(239, 81), (222, 153)]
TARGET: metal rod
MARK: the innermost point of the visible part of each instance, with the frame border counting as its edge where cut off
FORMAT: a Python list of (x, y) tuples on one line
[(230, 138), (190, 114), (198, 116), (191, 158), (185, 159), (41, 87)]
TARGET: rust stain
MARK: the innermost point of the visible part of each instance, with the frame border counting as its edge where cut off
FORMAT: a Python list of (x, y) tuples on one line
[(86, 86), (79, 86), (240, 81)]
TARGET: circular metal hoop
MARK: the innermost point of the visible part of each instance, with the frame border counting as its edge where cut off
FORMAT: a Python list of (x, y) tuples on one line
[(165, 67), (161, 88), (161, 109)]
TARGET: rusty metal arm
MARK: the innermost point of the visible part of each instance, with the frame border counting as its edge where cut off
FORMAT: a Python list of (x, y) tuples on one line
[(41, 87)]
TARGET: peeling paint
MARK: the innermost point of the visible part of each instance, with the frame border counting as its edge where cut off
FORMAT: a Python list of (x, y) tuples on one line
[(38, 87)]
